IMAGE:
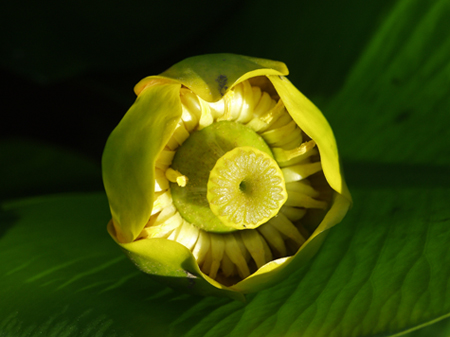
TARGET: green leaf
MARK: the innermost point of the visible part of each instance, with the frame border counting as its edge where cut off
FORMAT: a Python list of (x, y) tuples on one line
[(395, 103), (441, 328), (369, 279), (62, 275), (130, 187), (383, 271), (30, 167)]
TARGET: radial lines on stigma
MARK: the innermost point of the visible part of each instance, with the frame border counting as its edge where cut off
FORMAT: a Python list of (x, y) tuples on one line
[(233, 256), (246, 188)]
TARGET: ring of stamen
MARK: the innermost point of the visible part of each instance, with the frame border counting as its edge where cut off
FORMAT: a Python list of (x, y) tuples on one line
[(246, 117)]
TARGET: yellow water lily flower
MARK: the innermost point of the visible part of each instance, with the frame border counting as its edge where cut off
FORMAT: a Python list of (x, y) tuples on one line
[(222, 177)]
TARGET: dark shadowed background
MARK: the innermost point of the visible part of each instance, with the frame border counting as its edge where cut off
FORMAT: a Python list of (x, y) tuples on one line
[(68, 68)]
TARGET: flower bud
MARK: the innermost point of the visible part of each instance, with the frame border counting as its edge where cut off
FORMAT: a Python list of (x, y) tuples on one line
[(222, 178)]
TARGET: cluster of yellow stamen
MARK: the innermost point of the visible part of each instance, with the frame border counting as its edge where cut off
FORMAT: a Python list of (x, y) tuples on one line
[(232, 256)]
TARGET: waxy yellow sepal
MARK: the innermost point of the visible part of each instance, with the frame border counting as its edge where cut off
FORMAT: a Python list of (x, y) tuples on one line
[(128, 163)]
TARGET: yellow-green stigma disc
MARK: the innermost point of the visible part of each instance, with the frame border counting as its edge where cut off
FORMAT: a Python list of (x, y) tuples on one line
[(246, 188), (196, 158)]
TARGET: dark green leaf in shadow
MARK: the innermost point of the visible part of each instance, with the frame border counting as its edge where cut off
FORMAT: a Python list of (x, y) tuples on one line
[(32, 167), (395, 104), (439, 329), (61, 275), (374, 175)]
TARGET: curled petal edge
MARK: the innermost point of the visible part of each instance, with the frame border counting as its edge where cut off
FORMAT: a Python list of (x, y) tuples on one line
[(309, 118), (130, 188)]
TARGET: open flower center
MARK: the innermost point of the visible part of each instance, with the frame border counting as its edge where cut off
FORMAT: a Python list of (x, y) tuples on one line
[(235, 183), (198, 160)]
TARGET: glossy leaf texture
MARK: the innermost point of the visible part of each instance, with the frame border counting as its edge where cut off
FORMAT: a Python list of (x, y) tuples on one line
[(62, 279), (384, 270)]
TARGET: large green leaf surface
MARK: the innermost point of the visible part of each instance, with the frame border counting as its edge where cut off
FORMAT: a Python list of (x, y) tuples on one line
[(438, 329), (60, 273), (394, 106), (382, 271)]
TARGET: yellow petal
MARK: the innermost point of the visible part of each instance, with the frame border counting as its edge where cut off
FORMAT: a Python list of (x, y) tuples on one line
[(309, 118), (129, 166)]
